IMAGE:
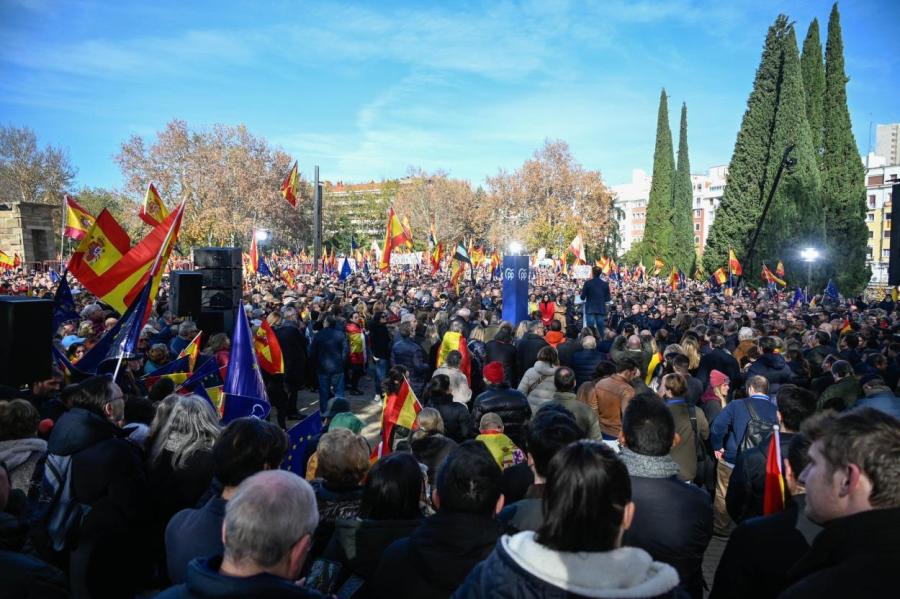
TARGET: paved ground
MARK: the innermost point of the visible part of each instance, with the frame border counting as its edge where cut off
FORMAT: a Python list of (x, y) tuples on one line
[(363, 406)]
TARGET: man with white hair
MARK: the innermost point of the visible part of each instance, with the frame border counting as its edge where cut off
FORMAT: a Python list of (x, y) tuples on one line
[(187, 330), (267, 535), (585, 361)]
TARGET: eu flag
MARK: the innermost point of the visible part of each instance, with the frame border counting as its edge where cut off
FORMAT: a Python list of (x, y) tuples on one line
[(831, 290), (262, 268), (798, 298), (244, 385), (63, 303), (301, 436), (111, 342), (345, 270)]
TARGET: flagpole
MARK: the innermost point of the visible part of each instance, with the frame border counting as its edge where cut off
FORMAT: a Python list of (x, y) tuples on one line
[(62, 232)]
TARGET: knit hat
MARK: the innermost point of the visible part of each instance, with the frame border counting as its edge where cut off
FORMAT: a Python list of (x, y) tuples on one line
[(493, 372), (346, 420), (717, 377)]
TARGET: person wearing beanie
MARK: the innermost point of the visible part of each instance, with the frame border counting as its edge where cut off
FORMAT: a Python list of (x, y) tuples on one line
[(713, 399), (509, 404)]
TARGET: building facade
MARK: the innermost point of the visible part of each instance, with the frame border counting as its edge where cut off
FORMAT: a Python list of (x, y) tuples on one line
[(880, 180), (631, 201), (886, 143)]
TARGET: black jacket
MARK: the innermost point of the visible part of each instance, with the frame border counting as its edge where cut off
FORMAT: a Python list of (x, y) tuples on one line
[(107, 475), (380, 338), (194, 533), (293, 349), (760, 552), (721, 360), (205, 582), (457, 421), (408, 353), (436, 557), (359, 544), (854, 556), (526, 353), (510, 404), (505, 353), (566, 350), (748, 480), (673, 523), (330, 350), (432, 450), (595, 293), (24, 575), (774, 369), (583, 364)]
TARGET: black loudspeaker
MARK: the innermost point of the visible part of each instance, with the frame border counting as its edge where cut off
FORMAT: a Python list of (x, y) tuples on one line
[(220, 299), (894, 262), (26, 332), (217, 258), (186, 286), (216, 321), (218, 278)]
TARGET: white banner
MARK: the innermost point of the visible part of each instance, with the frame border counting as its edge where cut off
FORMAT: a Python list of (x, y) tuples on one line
[(581, 271), (411, 258)]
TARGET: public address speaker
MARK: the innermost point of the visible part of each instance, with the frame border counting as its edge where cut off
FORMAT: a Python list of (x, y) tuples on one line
[(894, 263), (186, 288), (26, 332)]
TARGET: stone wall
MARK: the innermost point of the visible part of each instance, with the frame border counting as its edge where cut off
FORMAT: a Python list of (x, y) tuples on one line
[(27, 229)]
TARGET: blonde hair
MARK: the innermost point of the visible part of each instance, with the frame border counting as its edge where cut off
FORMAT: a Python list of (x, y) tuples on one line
[(343, 457), (428, 422), (692, 351), (477, 334)]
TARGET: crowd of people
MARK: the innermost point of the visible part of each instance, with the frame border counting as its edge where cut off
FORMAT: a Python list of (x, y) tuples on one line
[(595, 449)]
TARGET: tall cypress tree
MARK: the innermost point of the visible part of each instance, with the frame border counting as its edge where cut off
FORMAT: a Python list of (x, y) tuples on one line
[(775, 118), (683, 252), (657, 238), (843, 181), (814, 85)]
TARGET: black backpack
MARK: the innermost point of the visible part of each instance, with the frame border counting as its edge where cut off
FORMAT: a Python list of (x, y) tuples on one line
[(757, 429)]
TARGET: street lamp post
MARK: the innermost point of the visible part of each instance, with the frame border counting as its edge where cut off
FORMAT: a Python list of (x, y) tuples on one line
[(809, 255)]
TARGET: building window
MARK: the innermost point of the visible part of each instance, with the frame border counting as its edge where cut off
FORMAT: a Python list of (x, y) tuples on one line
[(870, 217), (885, 254), (872, 201), (887, 233), (871, 234), (696, 226), (875, 180), (696, 240)]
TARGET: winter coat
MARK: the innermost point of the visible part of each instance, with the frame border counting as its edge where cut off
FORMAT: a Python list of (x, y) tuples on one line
[(459, 386), (685, 453), (727, 430), (333, 504), (526, 353), (293, 349), (841, 395), (672, 519), (521, 568), (641, 356), (609, 398), (457, 421), (566, 350), (380, 338), (22, 574), (537, 384), (747, 572), (512, 406), (405, 352), (204, 581), (721, 360), (505, 353), (359, 544), (854, 556), (555, 338), (431, 451), (774, 369), (548, 312), (20, 457), (585, 417), (329, 351), (525, 514), (194, 533), (747, 485), (436, 558), (584, 363), (883, 401), (595, 293)]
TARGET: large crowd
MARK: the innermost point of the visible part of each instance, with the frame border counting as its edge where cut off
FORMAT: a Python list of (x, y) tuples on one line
[(595, 449)]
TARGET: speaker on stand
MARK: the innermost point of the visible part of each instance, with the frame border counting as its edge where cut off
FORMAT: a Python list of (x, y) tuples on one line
[(26, 334)]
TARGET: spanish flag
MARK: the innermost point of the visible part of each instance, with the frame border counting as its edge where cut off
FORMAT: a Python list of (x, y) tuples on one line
[(495, 260), (436, 255), (845, 327), (78, 220), (394, 237), (457, 268), (720, 276), (268, 350), (779, 269), (103, 246), (773, 491), (657, 266), (408, 232), (6, 262), (769, 277), (673, 279), (400, 408), (733, 265), (192, 351), (123, 276), (290, 187), (455, 341), (153, 211)]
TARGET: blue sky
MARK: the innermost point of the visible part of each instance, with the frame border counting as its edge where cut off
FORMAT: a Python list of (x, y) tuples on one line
[(368, 89)]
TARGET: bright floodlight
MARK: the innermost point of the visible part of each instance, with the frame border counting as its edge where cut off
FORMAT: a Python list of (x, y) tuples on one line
[(515, 247), (262, 235), (809, 254)]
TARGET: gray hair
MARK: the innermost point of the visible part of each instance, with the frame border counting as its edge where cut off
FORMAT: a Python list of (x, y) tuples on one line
[(187, 328), (745, 334), (270, 512), (183, 426), (588, 342)]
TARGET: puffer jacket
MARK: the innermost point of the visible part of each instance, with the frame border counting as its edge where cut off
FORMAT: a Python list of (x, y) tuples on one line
[(537, 384), (512, 407)]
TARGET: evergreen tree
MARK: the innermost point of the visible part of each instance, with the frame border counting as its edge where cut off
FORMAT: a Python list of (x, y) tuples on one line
[(657, 238), (775, 118), (814, 85), (683, 248), (843, 180)]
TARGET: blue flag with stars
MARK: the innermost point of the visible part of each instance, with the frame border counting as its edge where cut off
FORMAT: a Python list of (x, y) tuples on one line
[(63, 303), (345, 270), (245, 391), (799, 298), (301, 436), (831, 290)]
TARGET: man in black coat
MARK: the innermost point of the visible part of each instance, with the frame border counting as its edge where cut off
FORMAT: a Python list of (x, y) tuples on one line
[(595, 293), (293, 348), (527, 349), (718, 359), (673, 521), (410, 354), (771, 366), (435, 559), (501, 349), (851, 487), (508, 403), (744, 498), (584, 362)]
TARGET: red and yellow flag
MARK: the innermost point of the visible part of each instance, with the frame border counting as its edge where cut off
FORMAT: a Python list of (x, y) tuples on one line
[(6, 262), (779, 269), (769, 277), (253, 262), (733, 265), (192, 351), (673, 279), (153, 211), (721, 276), (845, 327), (268, 350), (455, 341), (400, 408), (436, 255), (657, 266), (457, 268), (407, 230), (78, 220), (100, 249), (394, 237), (496, 261), (577, 249), (290, 187), (773, 491)]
